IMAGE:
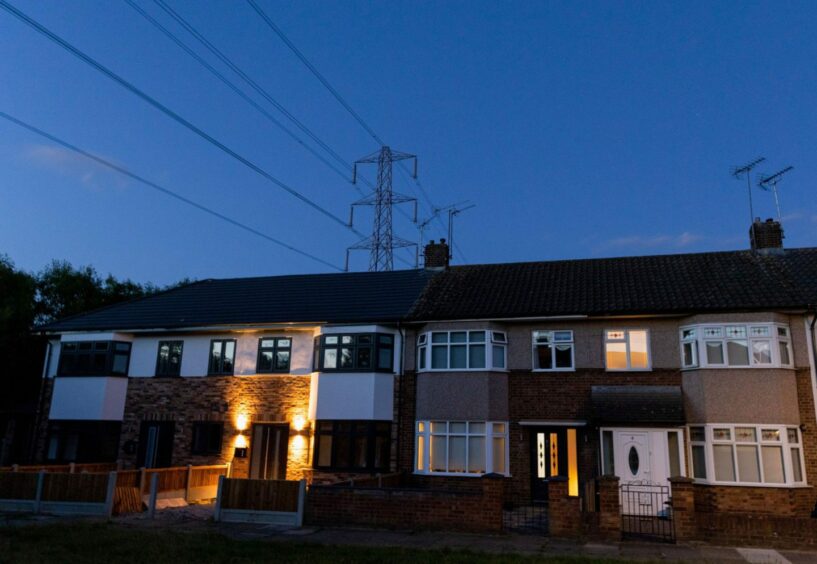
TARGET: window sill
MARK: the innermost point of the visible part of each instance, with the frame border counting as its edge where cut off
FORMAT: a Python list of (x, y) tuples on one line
[(454, 370), (455, 474), (722, 367), (628, 369), (798, 486), (546, 370), (90, 375)]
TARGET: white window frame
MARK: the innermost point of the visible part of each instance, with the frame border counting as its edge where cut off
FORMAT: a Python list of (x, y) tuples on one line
[(783, 443), (626, 340), (423, 429), (553, 343), (493, 338), (700, 340)]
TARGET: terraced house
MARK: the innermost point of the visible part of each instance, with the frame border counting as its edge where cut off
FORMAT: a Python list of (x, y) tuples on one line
[(696, 365)]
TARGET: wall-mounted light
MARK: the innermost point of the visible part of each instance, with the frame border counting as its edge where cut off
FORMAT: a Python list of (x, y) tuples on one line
[(300, 425), (241, 422), (240, 446)]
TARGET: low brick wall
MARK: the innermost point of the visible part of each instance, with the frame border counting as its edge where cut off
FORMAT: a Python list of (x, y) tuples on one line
[(409, 507), (745, 529)]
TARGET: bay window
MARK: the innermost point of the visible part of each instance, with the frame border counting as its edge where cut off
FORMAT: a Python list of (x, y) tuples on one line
[(627, 349), (553, 350), (747, 454), (765, 345), (462, 448), (355, 352), (462, 350)]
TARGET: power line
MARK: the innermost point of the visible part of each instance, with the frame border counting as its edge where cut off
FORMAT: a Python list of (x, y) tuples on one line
[(246, 78), (167, 111), (233, 87), (340, 99), (315, 71), (122, 170)]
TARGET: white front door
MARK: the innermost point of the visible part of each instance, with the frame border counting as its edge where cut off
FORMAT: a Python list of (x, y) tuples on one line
[(633, 457)]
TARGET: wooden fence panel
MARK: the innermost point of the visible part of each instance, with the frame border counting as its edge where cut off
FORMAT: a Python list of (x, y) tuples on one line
[(170, 479), (88, 488), (201, 476), (260, 495), (18, 485), (128, 479)]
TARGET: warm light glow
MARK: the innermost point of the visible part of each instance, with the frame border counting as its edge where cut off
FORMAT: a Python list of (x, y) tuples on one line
[(298, 423), (572, 464), (241, 441), (241, 422), (298, 443)]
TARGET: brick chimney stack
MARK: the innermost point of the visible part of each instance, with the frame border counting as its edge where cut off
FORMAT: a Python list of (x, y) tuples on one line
[(436, 255), (766, 236)]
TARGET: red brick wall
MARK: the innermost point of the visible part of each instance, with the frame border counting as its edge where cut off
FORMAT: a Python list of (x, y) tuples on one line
[(563, 396), (438, 509), (271, 399), (794, 502), (757, 530)]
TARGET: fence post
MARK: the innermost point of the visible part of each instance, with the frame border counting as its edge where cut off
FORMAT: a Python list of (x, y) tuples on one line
[(15, 467), (71, 467), (109, 499), (141, 481), (38, 496), (299, 519), (119, 464), (217, 511), (229, 469), (187, 482), (154, 490)]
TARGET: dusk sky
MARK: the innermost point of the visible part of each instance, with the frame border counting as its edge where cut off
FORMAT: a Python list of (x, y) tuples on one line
[(578, 130)]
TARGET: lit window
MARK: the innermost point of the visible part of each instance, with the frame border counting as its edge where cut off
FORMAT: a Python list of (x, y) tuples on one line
[(627, 349), (469, 448), (747, 454), (462, 350), (553, 350), (761, 345)]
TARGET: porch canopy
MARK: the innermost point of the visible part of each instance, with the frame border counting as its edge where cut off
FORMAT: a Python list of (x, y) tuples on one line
[(637, 405)]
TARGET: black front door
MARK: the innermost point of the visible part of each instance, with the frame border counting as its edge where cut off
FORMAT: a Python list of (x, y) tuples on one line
[(155, 444), (551, 457), (269, 452)]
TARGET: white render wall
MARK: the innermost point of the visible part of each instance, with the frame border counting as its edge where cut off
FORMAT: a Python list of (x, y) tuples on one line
[(196, 352), (92, 398), (352, 395)]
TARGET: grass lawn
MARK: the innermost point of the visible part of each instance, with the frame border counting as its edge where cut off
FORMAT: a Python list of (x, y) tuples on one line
[(86, 542)]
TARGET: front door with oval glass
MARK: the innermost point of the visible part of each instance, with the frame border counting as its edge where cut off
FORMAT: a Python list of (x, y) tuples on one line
[(634, 457)]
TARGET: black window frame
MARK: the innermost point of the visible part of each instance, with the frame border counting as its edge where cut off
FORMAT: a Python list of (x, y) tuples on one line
[(221, 371), (213, 434), (100, 359), (375, 343), (166, 373), (348, 431), (274, 349)]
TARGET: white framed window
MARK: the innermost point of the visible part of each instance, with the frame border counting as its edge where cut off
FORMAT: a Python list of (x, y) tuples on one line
[(761, 345), (553, 351), (627, 349), (461, 448), (462, 350), (757, 455)]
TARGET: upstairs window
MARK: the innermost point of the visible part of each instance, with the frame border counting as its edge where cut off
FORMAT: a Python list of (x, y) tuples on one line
[(94, 358), (553, 350), (222, 357), (462, 350), (356, 352), (627, 349), (720, 346), (273, 355), (169, 359)]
